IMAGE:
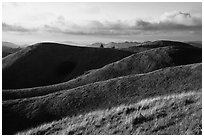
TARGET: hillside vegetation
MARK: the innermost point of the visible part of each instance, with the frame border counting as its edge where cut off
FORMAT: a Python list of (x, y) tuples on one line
[(137, 63), (155, 44), (143, 89), (31, 112), (51, 63), (175, 114)]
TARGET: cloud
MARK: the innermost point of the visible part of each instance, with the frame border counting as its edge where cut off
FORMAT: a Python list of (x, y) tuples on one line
[(175, 21), (178, 17), (165, 26), (14, 28)]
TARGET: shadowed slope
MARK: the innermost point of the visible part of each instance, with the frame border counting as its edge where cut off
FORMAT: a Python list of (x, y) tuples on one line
[(9, 48), (175, 114), (7, 51), (142, 62), (50, 63), (100, 95), (195, 43)]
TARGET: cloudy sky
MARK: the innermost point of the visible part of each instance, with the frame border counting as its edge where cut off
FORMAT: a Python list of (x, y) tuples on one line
[(100, 22)]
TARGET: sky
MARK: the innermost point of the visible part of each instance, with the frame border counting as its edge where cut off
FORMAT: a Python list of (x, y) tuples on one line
[(26, 23)]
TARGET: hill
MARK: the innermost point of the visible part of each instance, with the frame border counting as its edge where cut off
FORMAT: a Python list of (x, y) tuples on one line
[(31, 112), (50, 63), (121, 45), (9, 44), (117, 45), (155, 44), (9, 48), (195, 43), (72, 43), (137, 63), (168, 115)]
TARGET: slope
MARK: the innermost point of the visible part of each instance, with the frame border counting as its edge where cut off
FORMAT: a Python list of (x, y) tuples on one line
[(195, 43), (155, 44), (9, 48), (173, 115), (50, 63), (101, 95), (142, 62)]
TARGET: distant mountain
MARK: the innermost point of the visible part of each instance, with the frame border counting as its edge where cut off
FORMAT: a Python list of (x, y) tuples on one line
[(155, 44), (9, 44), (51, 63), (72, 43), (119, 45), (195, 43), (97, 44), (9, 48)]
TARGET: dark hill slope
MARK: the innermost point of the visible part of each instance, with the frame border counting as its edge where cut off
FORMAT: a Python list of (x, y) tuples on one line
[(156, 44), (142, 62), (168, 115), (50, 63), (8, 50), (31, 112), (195, 43)]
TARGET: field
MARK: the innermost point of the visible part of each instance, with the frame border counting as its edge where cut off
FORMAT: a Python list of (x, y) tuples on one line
[(150, 88)]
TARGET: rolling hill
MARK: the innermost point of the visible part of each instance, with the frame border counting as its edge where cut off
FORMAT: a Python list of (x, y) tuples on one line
[(31, 112), (51, 63), (195, 43), (137, 63), (167, 115), (155, 44), (117, 45), (9, 48)]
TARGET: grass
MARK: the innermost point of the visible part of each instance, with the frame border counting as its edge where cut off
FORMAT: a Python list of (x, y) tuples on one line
[(141, 93), (155, 44), (31, 112), (51, 63), (175, 114), (139, 63)]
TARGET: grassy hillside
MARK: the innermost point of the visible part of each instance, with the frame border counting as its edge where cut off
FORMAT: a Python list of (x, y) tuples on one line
[(142, 62), (31, 112), (155, 44), (175, 114), (50, 63)]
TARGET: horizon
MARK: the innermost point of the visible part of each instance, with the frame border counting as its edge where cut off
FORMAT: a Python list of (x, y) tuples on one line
[(88, 44), (87, 23)]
